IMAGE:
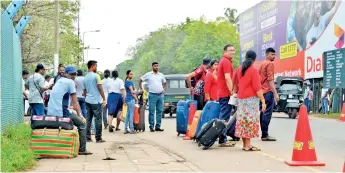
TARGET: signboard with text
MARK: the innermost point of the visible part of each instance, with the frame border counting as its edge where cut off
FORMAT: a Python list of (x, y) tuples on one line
[(291, 28), (334, 68)]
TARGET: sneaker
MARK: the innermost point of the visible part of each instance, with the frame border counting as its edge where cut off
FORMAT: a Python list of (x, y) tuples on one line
[(100, 141), (159, 129), (88, 140), (85, 153), (152, 130)]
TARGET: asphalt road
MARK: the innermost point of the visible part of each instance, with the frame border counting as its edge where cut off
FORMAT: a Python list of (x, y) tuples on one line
[(328, 136)]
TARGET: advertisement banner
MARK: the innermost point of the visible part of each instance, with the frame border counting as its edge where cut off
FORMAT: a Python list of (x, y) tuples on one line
[(299, 31)]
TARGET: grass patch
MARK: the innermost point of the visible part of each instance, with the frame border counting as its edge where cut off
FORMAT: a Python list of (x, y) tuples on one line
[(328, 116), (15, 152)]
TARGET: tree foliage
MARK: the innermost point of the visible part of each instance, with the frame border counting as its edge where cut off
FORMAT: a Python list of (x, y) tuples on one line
[(37, 40), (180, 48)]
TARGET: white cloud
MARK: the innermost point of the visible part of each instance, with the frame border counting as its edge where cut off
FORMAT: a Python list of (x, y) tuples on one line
[(124, 21)]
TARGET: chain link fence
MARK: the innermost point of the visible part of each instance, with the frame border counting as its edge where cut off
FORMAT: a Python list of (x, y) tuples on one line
[(11, 104)]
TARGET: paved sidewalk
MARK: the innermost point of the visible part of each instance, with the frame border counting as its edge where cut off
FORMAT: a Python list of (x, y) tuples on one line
[(131, 153)]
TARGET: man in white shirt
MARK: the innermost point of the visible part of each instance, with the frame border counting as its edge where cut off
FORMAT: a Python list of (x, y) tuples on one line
[(157, 85), (36, 88), (105, 90), (320, 22)]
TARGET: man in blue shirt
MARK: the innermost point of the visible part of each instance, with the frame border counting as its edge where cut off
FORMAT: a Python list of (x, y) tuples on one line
[(56, 106), (93, 90)]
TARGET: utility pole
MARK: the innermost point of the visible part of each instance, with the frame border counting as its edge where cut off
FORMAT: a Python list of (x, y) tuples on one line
[(79, 58), (56, 47)]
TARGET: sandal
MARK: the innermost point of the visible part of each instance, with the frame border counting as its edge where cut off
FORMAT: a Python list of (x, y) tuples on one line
[(227, 144), (268, 138), (252, 148)]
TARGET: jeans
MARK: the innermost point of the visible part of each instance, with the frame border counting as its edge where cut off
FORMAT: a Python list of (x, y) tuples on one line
[(93, 128), (130, 115), (77, 121), (37, 109), (94, 111), (225, 112), (265, 117), (155, 104), (105, 115), (307, 104), (82, 105), (324, 105)]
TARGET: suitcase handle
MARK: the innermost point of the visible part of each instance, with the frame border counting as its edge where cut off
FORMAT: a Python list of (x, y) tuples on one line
[(44, 131), (59, 131)]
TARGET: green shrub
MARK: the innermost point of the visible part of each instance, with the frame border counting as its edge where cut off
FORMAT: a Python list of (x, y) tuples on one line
[(15, 152)]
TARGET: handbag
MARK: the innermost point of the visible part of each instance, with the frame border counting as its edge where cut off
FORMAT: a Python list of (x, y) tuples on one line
[(199, 88), (233, 100), (123, 112)]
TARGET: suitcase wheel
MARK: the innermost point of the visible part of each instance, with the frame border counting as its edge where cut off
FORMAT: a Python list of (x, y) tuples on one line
[(178, 134)]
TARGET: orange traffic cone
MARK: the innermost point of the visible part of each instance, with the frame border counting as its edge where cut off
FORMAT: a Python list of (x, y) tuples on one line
[(190, 120), (342, 115), (304, 149)]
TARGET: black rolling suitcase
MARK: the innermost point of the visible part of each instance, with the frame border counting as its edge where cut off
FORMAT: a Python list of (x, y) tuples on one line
[(140, 127), (211, 131), (203, 130)]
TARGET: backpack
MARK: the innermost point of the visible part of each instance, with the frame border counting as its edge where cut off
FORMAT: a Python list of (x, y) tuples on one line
[(194, 79)]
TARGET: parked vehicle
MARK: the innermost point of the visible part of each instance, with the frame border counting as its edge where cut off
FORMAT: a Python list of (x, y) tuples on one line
[(290, 91), (176, 91)]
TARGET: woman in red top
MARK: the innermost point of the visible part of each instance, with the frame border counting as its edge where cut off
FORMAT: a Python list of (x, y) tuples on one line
[(211, 88), (248, 88)]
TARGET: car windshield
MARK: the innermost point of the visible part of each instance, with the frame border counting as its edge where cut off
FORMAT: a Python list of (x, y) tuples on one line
[(182, 84), (177, 84), (290, 87), (173, 84)]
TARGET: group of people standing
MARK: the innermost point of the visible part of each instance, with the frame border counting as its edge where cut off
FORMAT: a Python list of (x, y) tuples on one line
[(255, 90), (92, 99)]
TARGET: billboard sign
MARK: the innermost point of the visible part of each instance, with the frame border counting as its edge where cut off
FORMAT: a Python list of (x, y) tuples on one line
[(299, 31)]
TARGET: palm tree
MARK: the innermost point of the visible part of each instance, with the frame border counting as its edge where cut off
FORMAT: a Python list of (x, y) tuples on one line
[(230, 14)]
